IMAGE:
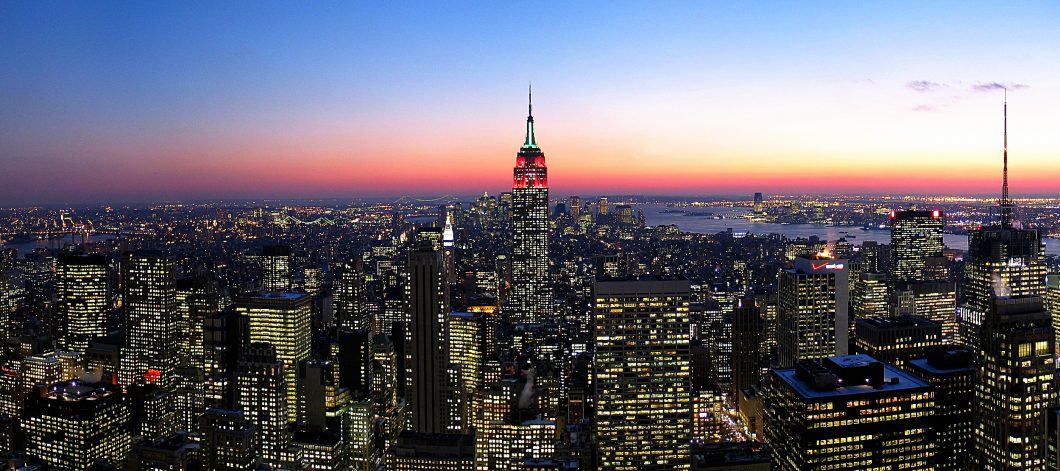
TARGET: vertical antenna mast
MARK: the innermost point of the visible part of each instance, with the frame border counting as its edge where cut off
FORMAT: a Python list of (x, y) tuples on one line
[(1006, 205)]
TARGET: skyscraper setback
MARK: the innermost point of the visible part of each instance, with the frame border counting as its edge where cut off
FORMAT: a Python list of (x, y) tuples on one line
[(531, 297)]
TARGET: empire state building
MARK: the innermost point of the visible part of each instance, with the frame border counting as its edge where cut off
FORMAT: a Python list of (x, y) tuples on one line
[(531, 297)]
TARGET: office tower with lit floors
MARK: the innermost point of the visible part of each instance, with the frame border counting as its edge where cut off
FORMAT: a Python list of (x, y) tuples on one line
[(228, 440), (916, 245), (82, 299), (429, 305), (281, 319), (641, 372), (149, 354), (1015, 385), (748, 328), (952, 372), (849, 412), (812, 311), (262, 396), (276, 268), (531, 297), (70, 425)]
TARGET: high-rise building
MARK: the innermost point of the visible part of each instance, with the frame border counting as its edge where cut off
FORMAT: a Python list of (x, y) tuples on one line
[(468, 348), (262, 396), (896, 339), (276, 268), (197, 299), (1052, 299), (227, 440), (642, 363), (1003, 260), (224, 336), (282, 320), (849, 412), (531, 297), (70, 425), (935, 300), (812, 312), (748, 327), (952, 372), (868, 295), (350, 298), (82, 299), (916, 245), (1015, 384), (429, 304), (505, 437), (149, 354), (757, 205)]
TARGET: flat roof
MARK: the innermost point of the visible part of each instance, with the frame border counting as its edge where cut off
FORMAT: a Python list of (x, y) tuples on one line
[(906, 381)]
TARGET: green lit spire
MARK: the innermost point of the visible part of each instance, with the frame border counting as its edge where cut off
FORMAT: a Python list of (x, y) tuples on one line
[(530, 142)]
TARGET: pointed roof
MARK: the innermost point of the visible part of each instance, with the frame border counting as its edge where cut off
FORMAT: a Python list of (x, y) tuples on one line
[(530, 142)]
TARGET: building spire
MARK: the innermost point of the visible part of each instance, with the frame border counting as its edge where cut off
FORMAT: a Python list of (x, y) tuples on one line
[(1006, 204), (530, 142)]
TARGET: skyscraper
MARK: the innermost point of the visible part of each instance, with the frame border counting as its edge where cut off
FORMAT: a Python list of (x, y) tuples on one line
[(1003, 259), (70, 425), (748, 327), (276, 268), (262, 396), (531, 297), (467, 348), (812, 312), (429, 304), (150, 323), (642, 363), (227, 440), (849, 412), (224, 337), (282, 320), (916, 245), (1015, 384), (952, 372), (82, 299)]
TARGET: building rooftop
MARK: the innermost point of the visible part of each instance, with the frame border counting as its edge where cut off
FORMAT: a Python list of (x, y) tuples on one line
[(847, 376), (897, 322)]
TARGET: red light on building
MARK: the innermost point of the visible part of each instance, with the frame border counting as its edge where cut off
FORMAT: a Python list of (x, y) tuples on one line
[(893, 214), (935, 213), (152, 376)]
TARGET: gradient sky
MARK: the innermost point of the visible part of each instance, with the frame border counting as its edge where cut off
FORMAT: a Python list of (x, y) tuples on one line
[(137, 101)]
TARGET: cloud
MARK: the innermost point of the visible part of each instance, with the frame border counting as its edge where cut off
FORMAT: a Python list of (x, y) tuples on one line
[(925, 86), (990, 86), (924, 108)]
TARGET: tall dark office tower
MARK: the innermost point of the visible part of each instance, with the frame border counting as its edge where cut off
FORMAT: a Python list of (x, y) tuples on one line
[(353, 352), (429, 305), (227, 440), (276, 268), (1003, 260), (758, 206), (197, 299), (150, 323), (70, 425), (82, 299), (916, 245), (1015, 384), (282, 320), (642, 363), (748, 327), (812, 312), (952, 372), (849, 412), (224, 337), (262, 396), (531, 297)]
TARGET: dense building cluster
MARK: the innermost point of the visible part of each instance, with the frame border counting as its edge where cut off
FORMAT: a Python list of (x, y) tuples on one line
[(524, 332)]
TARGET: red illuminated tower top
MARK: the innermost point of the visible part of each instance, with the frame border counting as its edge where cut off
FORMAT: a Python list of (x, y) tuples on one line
[(530, 170)]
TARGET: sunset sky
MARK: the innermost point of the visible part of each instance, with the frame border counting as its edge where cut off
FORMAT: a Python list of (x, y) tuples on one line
[(143, 101)]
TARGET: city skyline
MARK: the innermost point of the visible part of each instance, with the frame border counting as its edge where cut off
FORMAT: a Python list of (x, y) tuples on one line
[(361, 101)]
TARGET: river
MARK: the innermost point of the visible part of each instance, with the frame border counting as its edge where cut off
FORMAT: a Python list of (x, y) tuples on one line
[(655, 215)]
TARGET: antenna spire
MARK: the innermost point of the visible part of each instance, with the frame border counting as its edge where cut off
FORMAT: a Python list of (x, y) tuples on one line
[(1006, 204), (530, 142)]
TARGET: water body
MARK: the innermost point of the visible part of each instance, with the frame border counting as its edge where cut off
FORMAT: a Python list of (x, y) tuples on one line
[(24, 248), (655, 215)]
